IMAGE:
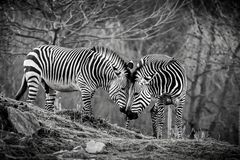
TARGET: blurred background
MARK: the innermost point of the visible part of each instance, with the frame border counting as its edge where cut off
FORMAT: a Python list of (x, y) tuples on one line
[(203, 35)]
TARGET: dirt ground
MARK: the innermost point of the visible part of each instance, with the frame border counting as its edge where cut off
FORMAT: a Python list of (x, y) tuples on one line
[(62, 136)]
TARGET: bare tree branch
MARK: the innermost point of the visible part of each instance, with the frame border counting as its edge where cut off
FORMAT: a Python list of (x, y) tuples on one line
[(32, 37)]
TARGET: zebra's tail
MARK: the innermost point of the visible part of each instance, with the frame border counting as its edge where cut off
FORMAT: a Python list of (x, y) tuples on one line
[(22, 89)]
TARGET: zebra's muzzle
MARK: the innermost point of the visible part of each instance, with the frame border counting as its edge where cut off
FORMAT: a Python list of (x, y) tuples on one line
[(123, 110), (131, 115)]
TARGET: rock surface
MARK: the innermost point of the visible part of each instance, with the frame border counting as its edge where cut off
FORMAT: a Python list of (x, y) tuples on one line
[(23, 122), (13, 119), (60, 137), (94, 147)]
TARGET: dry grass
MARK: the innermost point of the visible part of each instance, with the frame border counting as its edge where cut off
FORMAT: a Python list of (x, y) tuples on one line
[(60, 133)]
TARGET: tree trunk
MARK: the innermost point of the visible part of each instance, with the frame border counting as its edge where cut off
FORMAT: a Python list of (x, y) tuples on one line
[(194, 83), (169, 121)]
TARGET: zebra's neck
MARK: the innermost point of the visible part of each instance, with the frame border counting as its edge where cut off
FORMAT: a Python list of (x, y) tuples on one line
[(114, 59)]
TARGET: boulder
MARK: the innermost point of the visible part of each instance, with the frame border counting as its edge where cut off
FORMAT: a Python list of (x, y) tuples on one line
[(14, 120), (94, 147), (23, 122)]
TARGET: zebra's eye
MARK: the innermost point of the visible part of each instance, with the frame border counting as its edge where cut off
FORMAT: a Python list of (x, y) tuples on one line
[(147, 78), (135, 94)]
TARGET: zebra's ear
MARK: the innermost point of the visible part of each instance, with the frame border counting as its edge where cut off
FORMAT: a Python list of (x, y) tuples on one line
[(140, 63), (130, 65)]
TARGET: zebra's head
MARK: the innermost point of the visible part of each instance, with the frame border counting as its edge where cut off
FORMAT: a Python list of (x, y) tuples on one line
[(117, 73), (139, 97), (120, 84), (139, 92)]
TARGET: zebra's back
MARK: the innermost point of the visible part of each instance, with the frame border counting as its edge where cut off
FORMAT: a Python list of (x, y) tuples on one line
[(170, 79), (57, 66)]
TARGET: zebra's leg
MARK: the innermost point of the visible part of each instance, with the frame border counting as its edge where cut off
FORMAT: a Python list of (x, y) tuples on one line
[(153, 112), (127, 122), (157, 115), (33, 87), (87, 112), (178, 120), (50, 98)]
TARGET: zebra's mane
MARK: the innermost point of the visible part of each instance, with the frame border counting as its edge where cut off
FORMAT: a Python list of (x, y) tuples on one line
[(154, 58), (111, 56), (153, 61)]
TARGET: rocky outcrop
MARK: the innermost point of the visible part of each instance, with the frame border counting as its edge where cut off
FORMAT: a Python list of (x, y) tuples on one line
[(23, 122), (29, 132), (13, 119)]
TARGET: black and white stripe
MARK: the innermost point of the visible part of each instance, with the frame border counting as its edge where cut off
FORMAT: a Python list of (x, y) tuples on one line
[(67, 70), (161, 77)]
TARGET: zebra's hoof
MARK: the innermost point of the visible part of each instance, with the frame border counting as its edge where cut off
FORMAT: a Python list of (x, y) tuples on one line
[(157, 136)]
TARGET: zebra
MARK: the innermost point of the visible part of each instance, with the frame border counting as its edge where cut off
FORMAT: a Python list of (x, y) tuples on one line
[(81, 69), (159, 77)]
